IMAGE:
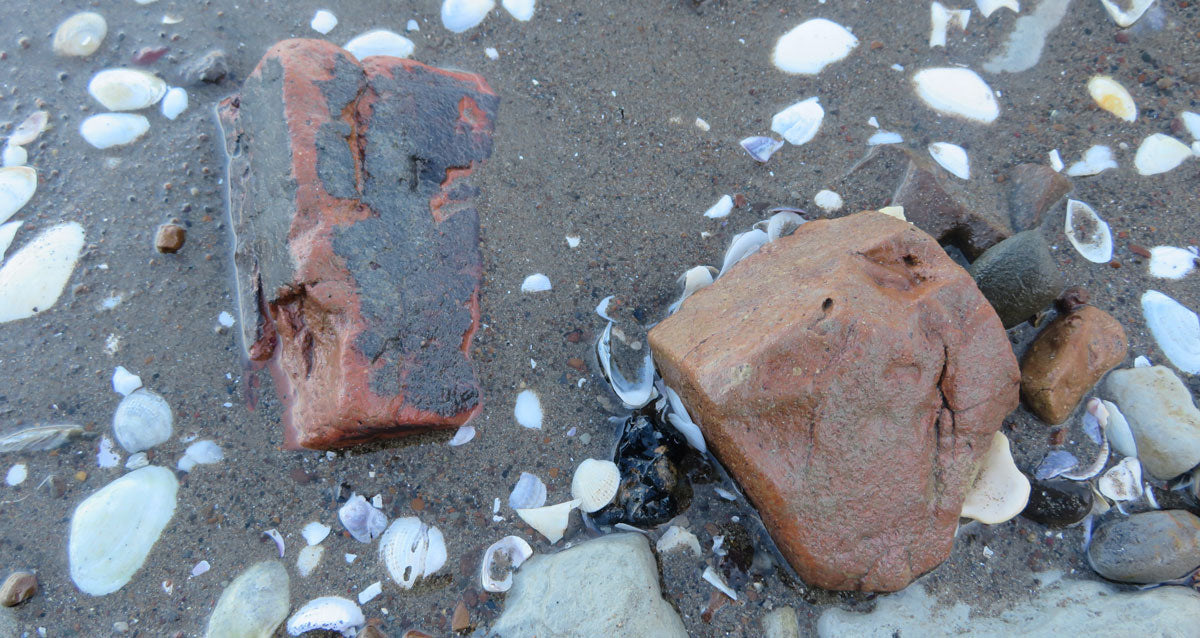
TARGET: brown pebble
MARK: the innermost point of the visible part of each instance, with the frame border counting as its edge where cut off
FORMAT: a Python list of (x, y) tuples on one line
[(1140, 251), (371, 631), (417, 504), (170, 238), (574, 336), (577, 363), (18, 588), (553, 472), (462, 618), (415, 633), (81, 476), (739, 200), (1122, 37), (1071, 299), (1058, 436), (298, 475), (876, 45)]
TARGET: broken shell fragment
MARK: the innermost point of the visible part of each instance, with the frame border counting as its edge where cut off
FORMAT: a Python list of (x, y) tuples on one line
[(988, 7), (315, 532), (113, 530), (80, 35), (361, 519), (308, 559), (941, 19), (107, 130), (549, 521), (463, 435), (174, 103), (1118, 431), (1123, 481), (1160, 153), (529, 492), (1176, 329), (679, 418), (29, 129), (958, 92), (799, 122), (1169, 262), (677, 537), (202, 452), (720, 209), (323, 21), (126, 89), (410, 549), (38, 438), (17, 186), (331, 613), (694, 279), (379, 42), (951, 157), (32, 280), (1054, 464), (761, 148), (742, 246), (595, 484), (1126, 12), (1112, 97), (503, 556), (253, 605), (1096, 160), (999, 491), (1089, 234), (143, 420), (715, 580), (811, 46)]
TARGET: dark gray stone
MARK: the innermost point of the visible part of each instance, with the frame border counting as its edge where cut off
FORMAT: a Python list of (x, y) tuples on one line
[(1058, 502), (1019, 277), (1147, 548)]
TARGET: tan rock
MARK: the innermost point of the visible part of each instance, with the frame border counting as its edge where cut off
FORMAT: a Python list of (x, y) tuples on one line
[(18, 588), (170, 238), (1067, 359), (849, 376)]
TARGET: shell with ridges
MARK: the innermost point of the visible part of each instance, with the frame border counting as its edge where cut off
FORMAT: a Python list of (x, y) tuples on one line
[(595, 484), (80, 35), (142, 420), (410, 549), (332, 613)]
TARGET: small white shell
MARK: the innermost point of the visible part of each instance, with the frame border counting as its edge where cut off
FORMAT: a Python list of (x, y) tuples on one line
[(957, 91), (528, 410), (595, 484), (1089, 234), (142, 420), (941, 19), (13, 156), (999, 490), (124, 382), (315, 532), (550, 521), (520, 9), (1160, 153), (1096, 160), (80, 35), (1112, 97), (308, 559), (126, 89), (720, 209), (361, 519), (529, 492), (202, 452), (742, 246), (463, 435), (1119, 433), (761, 148), (515, 550), (1176, 329), (1170, 262), (1126, 12), (811, 46), (174, 103), (331, 613), (694, 279), (1123, 481), (678, 538), (463, 15), (799, 122), (410, 549), (29, 129), (17, 186), (537, 282), (828, 201), (274, 535), (951, 157), (323, 22), (113, 129), (785, 222), (715, 580), (379, 42), (879, 138)]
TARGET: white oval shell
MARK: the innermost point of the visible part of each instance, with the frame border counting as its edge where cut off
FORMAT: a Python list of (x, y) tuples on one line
[(331, 613), (13, 156), (142, 420), (17, 186), (811, 46), (126, 89), (379, 42), (957, 91), (1089, 234), (951, 157), (80, 35), (253, 605), (595, 484), (29, 129), (113, 129), (1112, 97), (528, 410), (550, 521), (799, 122), (1176, 329), (515, 549), (529, 492), (462, 15), (828, 201), (537, 282), (33, 278), (113, 530), (632, 394), (720, 209), (999, 491), (1160, 153), (520, 9), (1095, 160), (361, 519), (410, 549)]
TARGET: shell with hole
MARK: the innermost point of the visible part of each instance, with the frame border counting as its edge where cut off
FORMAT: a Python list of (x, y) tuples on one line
[(505, 555), (595, 484), (410, 549)]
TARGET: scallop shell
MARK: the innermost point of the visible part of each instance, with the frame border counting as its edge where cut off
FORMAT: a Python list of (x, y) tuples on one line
[(957, 91), (595, 484), (1112, 97), (331, 613), (142, 420), (1089, 234), (379, 42), (410, 549), (126, 89), (550, 521), (114, 529), (999, 490), (17, 186), (361, 519), (515, 550), (113, 129), (80, 35)]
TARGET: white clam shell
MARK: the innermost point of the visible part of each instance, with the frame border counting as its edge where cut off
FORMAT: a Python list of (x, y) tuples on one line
[(595, 484), (520, 9), (1112, 97), (33, 278), (720, 209), (632, 394), (1119, 432), (549, 521), (29, 129), (1123, 481), (1126, 12), (1170, 262), (13, 156), (799, 122), (951, 157), (515, 551), (80, 35), (253, 605), (17, 186), (463, 15), (379, 42), (410, 549), (331, 613), (114, 529), (107, 130), (828, 201), (126, 89), (361, 519), (1089, 234), (529, 492), (537, 282), (811, 46), (957, 91), (694, 279), (999, 491), (1160, 153), (143, 420), (1176, 329), (323, 21), (528, 410)]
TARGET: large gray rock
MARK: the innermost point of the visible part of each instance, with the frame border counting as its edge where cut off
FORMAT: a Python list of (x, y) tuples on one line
[(1162, 417), (604, 587), (1065, 608), (1018, 276), (1147, 548)]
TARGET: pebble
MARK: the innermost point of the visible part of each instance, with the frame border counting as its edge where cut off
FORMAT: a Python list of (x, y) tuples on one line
[(211, 68), (1058, 502), (1018, 276), (462, 618), (1067, 359), (18, 588), (1164, 420), (1147, 548), (170, 238), (81, 476)]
